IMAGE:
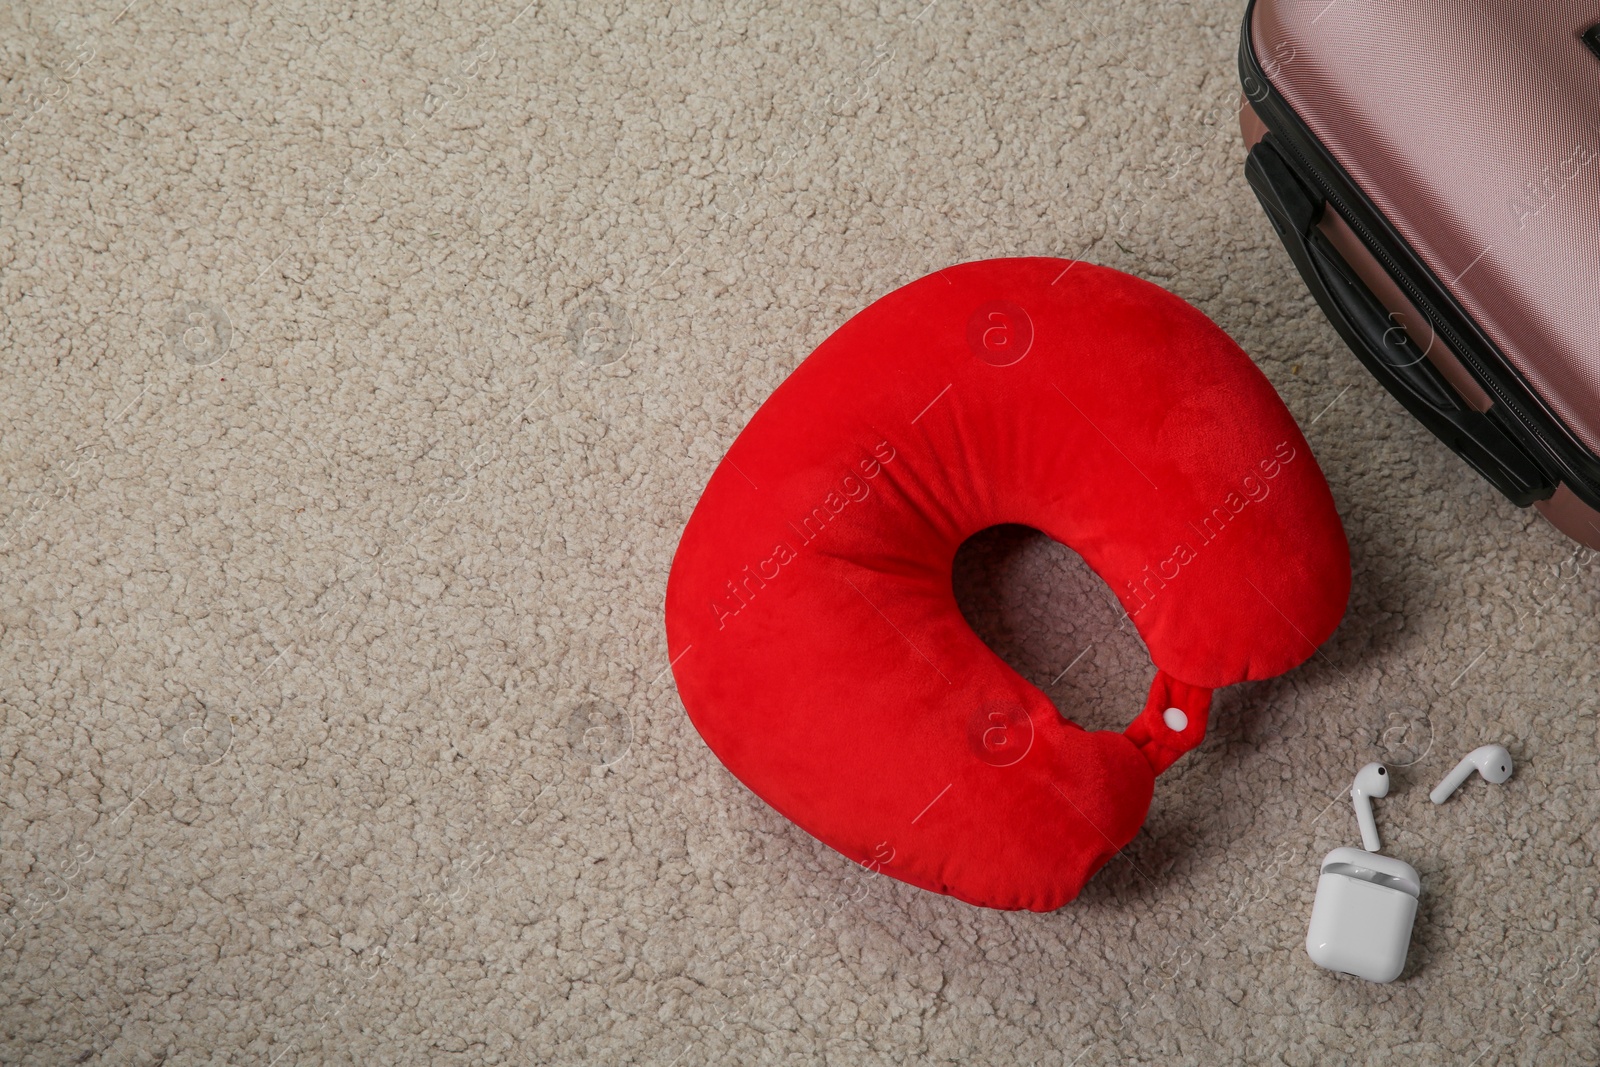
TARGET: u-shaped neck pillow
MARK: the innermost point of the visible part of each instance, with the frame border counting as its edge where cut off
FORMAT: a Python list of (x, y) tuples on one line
[(811, 622)]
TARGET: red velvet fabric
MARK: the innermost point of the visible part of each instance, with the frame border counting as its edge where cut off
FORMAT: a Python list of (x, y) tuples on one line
[(811, 622)]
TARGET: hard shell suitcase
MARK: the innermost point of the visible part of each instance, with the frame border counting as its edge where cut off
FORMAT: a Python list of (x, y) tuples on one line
[(1433, 169)]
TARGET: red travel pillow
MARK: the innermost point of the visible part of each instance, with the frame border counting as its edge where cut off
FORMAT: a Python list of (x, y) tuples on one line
[(811, 622)]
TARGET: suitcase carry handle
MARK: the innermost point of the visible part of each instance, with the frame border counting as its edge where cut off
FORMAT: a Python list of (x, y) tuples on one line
[(1386, 351)]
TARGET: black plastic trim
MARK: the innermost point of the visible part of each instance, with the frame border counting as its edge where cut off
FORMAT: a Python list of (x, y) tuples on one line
[(1388, 353), (1517, 410)]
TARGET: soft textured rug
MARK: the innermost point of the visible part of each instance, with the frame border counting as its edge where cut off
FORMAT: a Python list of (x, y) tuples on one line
[(363, 363)]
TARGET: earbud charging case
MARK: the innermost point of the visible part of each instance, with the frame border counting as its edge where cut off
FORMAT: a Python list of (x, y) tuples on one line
[(1361, 920)]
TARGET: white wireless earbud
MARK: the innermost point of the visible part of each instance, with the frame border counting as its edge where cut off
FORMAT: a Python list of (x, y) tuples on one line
[(1491, 761), (1371, 781)]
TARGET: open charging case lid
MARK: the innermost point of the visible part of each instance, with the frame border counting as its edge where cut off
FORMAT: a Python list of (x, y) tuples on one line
[(1372, 867)]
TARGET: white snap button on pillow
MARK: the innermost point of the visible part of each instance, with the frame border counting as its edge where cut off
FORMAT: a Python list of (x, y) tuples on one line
[(1177, 720)]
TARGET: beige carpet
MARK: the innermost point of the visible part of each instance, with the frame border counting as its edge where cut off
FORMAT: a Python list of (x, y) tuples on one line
[(363, 363)]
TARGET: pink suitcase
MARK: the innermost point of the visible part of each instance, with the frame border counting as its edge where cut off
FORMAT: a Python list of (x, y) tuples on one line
[(1433, 169)]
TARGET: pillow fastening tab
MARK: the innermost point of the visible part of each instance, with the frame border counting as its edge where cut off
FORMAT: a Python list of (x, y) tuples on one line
[(1152, 732)]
